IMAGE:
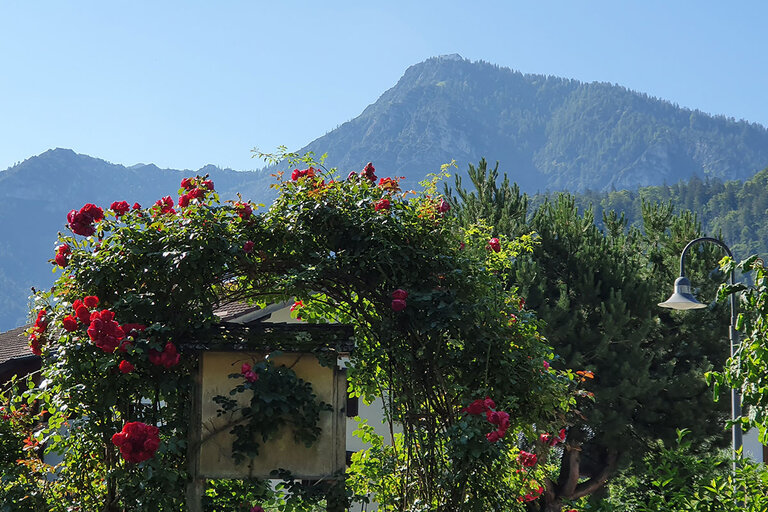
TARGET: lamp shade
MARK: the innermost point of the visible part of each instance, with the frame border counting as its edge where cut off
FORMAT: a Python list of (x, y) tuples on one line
[(682, 298)]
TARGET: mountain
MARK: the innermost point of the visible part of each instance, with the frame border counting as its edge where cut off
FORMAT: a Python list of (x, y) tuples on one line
[(548, 133), (37, 194)]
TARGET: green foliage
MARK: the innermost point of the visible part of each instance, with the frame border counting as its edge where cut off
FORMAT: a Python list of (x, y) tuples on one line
[(748, 367), (373, 471), (242, 495), (342, 246), (595, 292), (678, 479), (23, 476)]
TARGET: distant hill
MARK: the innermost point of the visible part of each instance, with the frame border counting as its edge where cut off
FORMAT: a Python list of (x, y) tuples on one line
[(737, 211), (37, 194), (549, 133)]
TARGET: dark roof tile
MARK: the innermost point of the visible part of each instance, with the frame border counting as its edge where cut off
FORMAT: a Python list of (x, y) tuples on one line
[(14, 344)]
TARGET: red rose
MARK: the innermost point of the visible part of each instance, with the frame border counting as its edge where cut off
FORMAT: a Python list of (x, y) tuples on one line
[(93, 212), (41, 322), (75, 220), (444, 206), (208, 184), (382, 204), (352, 176), (297, 305), (168, 357), (61, 260), (244, 210), (257, 508), (184, 201), (369, 172), (498, 418), (133, 329), (196, 193), (165, 204), (126, 367), (83, 314), (120, 208), (248, 247), (91, 301), (186, 183), (70, 323), (104, 332), (248, 373), (137, 441), (297, 174), (531, 496), (35, 345), (477, 407), (527, 459), (400, 294), (551, 439), (136, 206), (81, 222), (492, 436), (494, 244), (62, 255), (398, 305)]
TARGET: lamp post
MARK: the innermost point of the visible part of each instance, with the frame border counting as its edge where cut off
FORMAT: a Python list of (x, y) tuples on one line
[(683, 299)]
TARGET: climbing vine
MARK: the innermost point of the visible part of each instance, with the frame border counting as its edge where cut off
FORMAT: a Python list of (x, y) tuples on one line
[(747, 368), (278, 399)]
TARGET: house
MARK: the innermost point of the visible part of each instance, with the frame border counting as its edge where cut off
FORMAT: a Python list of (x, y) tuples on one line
[(16, 359)]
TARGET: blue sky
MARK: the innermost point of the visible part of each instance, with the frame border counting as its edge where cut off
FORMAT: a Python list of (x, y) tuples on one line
[(183, 84)]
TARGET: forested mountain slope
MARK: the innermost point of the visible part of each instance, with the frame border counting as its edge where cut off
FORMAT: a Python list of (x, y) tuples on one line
[(735, 210), (549, 133)]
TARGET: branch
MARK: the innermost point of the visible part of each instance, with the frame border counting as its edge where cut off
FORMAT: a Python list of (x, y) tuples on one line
[(568, 481), (596, 482)]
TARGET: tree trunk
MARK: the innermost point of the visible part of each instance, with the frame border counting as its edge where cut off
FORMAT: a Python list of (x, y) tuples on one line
[(568, 485), (554, 506)]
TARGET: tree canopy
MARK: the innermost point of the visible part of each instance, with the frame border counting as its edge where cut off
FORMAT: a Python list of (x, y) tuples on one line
[(595, 293)]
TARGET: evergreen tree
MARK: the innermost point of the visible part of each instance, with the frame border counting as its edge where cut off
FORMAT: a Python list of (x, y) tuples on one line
[(596, 293)]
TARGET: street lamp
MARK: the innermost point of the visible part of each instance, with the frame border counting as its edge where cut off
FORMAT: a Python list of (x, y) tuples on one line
[(683, 299)]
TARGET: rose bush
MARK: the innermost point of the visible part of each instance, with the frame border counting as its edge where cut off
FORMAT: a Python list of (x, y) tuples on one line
[(159, 274)]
